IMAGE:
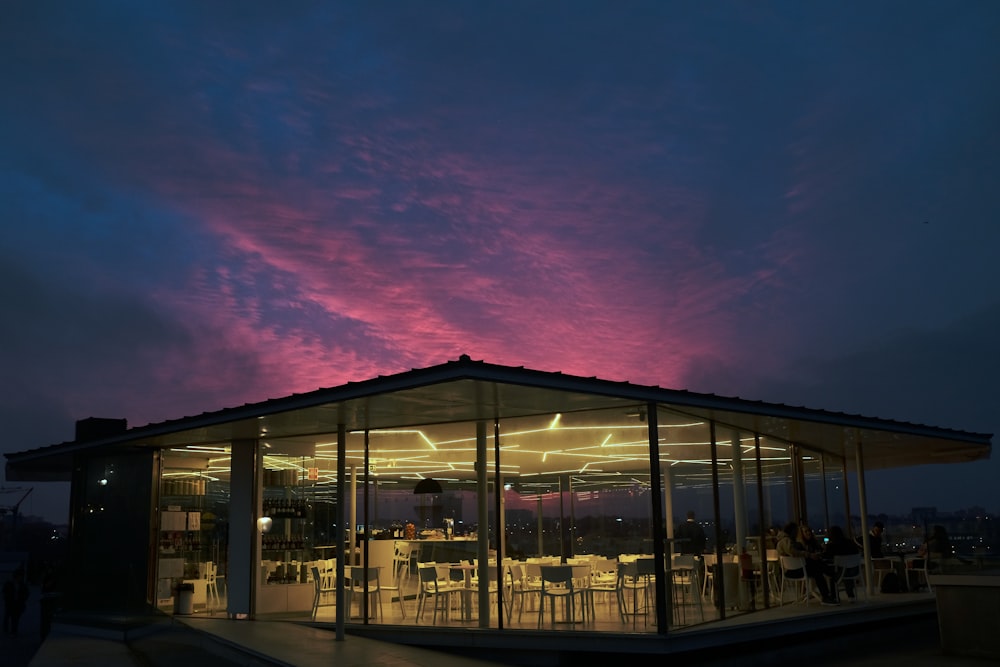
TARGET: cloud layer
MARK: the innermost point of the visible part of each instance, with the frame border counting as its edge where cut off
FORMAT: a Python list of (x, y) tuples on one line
[(206, 206)]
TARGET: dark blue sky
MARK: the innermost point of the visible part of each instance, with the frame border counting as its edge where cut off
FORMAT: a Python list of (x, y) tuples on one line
[(210, 205)]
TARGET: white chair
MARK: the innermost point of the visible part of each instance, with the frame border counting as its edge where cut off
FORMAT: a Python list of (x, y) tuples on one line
[(607, 582), (559, 583), (431, 586), (636, 577), (793, 571), (519, 588), (848, 569), (708, 582), (324, 590), (210, 574), (880, 568), (401, 559), (396, 586), (365, 587), (686, 579), (492, 585)]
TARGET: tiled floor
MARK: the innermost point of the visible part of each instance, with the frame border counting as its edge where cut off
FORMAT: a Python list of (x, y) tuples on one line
[(687, 615)]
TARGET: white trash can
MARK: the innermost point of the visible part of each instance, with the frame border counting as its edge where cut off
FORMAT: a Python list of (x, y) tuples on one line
[(184, 599)]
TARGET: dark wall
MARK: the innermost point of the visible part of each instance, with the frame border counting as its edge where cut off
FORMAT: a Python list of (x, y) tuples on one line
[(110, 532)]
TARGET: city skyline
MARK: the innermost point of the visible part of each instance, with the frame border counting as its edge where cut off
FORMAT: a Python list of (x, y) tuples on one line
[(212, 206)]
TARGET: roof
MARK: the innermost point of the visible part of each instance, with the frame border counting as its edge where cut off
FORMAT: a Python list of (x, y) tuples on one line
[(467, 390)]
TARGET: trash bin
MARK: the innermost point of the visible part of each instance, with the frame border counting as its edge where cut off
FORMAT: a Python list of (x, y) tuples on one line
[(184, 599)]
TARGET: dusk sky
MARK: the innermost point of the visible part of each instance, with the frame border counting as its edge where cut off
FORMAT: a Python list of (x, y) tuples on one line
[(207, 204)]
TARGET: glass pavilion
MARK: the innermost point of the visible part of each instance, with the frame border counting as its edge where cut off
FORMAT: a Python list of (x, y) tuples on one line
[(305, 507)]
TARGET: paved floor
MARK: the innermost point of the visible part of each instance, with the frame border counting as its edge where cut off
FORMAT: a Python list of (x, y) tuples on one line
[(18, 651), (207, 642)]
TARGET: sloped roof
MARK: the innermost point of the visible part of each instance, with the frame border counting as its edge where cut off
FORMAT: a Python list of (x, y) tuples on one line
[(467, 390)]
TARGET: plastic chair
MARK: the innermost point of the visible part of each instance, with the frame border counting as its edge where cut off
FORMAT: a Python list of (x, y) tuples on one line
[(880, 568), (324, 590), (793, 569), (686, 578), (210, 574), (605, 578), (559, 583), (637, 577), (848, 568), (432, 587), (709, 581), (365, 584), (519, 588), (396, 586), (492, 585), (401, 559)]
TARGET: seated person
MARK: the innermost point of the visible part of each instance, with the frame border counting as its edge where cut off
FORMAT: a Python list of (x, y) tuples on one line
[(839, 545), (936, 547), (875, 540), (815, 568), (808, 540)]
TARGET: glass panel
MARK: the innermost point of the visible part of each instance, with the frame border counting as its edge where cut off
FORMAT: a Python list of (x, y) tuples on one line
[(577, 492), (423, 507), (689, 512), (294, 525), (776, 467), (192, 538), (817, 505)]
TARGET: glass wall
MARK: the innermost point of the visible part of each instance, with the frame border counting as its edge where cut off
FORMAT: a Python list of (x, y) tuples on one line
[(295, 523), (575, 490), (816, 510), (193, 535)]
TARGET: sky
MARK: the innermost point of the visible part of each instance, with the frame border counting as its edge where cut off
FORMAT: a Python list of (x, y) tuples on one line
[(211, 204)]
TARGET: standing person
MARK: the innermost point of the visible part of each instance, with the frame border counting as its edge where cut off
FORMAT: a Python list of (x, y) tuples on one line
[(15, 599), (690, 536)]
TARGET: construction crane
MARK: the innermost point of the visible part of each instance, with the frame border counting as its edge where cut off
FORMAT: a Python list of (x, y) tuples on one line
[(13, 510)]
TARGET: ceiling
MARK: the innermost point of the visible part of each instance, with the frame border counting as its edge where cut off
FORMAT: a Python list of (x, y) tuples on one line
[(449, 399)]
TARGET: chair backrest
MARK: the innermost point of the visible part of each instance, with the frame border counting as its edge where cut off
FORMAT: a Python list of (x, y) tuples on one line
[(685, 561), (581, 575), (604, 566), (557, 576), (645, 566), (358, 577), (848, 566), (793, 567), (428, 575)]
